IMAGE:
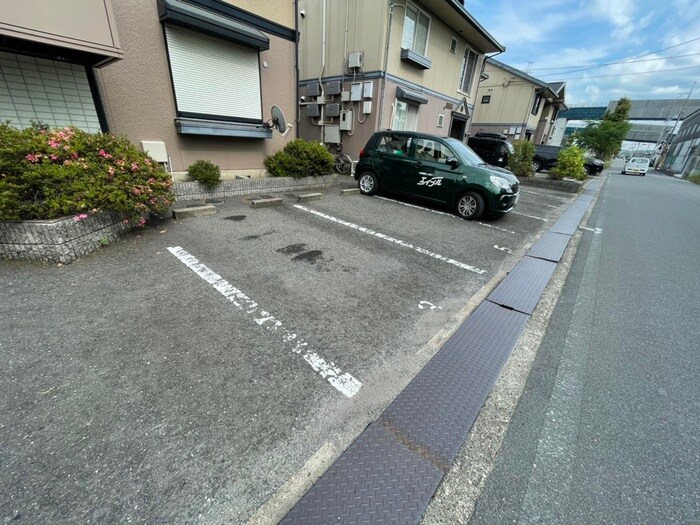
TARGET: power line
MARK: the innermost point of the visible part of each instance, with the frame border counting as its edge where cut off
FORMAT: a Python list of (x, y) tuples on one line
[(626, 60), (614, 63)]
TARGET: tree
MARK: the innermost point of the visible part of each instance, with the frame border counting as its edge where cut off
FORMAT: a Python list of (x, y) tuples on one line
[(605, 138)]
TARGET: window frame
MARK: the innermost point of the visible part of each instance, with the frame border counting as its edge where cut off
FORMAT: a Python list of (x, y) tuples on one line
[(465, 62), (408, 116), (537, 103), (486, 99), (415, 29)]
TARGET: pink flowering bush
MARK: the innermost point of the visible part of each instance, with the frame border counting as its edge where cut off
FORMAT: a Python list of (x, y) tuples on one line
[(46, 174)]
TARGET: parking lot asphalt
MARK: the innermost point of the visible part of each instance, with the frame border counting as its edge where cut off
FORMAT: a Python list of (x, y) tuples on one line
[(197, 369)]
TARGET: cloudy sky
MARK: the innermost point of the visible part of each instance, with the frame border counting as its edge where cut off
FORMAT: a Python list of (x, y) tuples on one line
[(653, 47)]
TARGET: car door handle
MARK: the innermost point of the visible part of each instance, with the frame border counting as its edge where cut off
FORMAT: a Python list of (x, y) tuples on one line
[(419, 164)]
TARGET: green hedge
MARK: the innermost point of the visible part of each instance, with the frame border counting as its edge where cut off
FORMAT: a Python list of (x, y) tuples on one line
[(300, 158), (570, 163), (47, 174)]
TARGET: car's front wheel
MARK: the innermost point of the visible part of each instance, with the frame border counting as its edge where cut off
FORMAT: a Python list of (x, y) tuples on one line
[(368, 183), (470, 205), (536, 165)]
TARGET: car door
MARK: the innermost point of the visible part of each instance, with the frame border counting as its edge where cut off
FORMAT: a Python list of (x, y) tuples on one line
[(393, 161), (432, 178)]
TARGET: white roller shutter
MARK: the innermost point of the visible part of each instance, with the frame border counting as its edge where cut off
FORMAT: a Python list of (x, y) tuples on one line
[(214, 77)]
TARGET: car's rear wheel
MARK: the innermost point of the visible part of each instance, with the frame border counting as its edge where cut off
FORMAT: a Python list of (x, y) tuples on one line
[(470, 205), (589, 170), (368, 183), (536, 165)]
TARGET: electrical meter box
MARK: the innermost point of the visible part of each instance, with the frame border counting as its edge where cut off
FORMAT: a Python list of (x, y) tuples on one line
[(312, 110), (313, 90), (356, 91), (345, 96), (331, 134), (367, 89), (332, 88), (367, 107), (346, 120), (332, 110)]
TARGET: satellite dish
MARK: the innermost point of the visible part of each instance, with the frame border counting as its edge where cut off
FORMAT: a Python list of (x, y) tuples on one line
[(278, 121)]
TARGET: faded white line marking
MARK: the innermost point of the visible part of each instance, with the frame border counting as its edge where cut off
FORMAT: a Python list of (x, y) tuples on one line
[(594, 230), (452, 215), (343, 382), (545, 195), (425, 304), (392, 239), (530, 216), (502, 248), (547, 205)]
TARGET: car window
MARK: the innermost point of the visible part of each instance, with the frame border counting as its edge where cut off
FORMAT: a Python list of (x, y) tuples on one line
[(467, 154), (639, 161), (436, 152), (394, 144)]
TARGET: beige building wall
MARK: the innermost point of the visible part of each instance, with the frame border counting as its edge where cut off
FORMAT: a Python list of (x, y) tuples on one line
[(278, 11), (138, 97), (351, 25), (510, 104), (82, 25), (446, 70)]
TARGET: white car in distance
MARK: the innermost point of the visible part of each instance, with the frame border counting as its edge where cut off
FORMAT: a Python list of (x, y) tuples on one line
[(636, 166)]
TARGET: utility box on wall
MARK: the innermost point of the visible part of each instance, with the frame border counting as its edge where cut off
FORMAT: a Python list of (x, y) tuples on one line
[(331, 134), (356, 91), (332, 110), (312, 110), (346, 120), (313, 90), (331, 88)]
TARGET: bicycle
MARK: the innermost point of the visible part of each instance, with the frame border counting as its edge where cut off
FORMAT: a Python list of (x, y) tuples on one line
[(342, 162)]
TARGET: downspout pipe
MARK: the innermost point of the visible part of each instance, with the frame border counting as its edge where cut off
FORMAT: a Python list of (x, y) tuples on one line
[(386, 64), (297, 114)]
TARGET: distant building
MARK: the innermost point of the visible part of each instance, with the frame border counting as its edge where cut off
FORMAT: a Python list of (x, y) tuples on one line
[(515, 104), (683, 154)]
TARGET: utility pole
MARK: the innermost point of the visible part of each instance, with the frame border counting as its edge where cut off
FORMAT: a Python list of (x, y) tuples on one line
[(680, 113)]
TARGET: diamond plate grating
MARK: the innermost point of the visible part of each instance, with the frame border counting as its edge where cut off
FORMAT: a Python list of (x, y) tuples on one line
[(551, 246), (376, 481), (522, 288), (434, 413), (567, 224)]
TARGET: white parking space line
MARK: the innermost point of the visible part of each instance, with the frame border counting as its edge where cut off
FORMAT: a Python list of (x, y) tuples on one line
[(545, 195), (343, 382), (529, 216), (392, 240), (452, 215)]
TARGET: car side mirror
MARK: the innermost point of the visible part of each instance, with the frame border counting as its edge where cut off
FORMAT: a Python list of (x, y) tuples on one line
[(453, 162)]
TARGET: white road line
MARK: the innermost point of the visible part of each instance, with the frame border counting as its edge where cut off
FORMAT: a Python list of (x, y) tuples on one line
[(343, 382), (393, 240), (530, 216), (452, 215)]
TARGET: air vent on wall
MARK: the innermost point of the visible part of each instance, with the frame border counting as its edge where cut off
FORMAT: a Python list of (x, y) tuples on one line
[(441, 121)]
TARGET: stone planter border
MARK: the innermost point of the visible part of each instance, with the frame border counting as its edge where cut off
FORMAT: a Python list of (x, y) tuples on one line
[(570, 186), (59, 240), (185, 191)]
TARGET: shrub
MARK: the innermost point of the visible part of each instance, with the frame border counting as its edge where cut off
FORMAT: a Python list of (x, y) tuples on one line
[(694, 177), (520, 162), (205, 172), (47, 174), (300, 158), (570, 163)]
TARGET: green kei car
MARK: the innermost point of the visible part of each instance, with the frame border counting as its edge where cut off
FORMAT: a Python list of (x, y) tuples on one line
[(438, 169)]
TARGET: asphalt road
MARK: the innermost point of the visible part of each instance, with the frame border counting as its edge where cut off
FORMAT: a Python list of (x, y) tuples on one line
[(608, 427), (184, 374)]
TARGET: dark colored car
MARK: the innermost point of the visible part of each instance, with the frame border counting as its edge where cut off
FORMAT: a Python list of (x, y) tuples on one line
[(437, 169), (546, 158), (492, 147)]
